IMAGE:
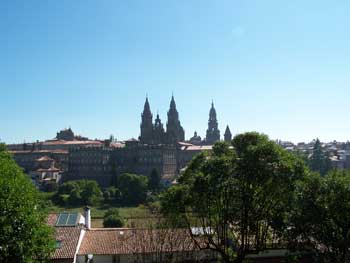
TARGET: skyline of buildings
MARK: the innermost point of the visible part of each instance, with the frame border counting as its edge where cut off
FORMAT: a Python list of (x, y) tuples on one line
[(212, 132)]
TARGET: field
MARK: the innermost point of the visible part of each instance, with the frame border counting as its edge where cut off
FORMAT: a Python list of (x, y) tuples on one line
[(132, 215)]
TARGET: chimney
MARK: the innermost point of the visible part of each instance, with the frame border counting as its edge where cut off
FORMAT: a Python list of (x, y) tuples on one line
[(87, 217)]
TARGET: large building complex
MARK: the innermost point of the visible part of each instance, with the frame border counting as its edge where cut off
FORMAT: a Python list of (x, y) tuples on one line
[(76, 157)]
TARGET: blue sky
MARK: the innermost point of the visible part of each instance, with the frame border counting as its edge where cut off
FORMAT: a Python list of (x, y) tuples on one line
[(277, 67)]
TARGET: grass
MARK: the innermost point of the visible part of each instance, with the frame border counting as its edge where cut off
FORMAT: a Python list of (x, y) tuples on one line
[(129, 214), (134, 216)]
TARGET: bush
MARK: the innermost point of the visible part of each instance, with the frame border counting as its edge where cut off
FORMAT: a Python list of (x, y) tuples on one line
[(112, 218)]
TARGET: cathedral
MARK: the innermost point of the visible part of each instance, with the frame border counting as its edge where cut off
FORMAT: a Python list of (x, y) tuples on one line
[(154, 133), (161, 148)]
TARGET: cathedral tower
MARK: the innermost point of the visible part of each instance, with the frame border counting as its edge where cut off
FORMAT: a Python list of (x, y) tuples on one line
[(228, 135), (213, 133), (174, 130), (158, 134), (146, 124)]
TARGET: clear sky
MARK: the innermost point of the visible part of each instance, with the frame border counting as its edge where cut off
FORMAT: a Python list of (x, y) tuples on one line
[(277, 67)]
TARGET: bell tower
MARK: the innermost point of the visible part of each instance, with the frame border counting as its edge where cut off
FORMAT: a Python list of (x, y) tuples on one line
[(213, 133), (146, 124)]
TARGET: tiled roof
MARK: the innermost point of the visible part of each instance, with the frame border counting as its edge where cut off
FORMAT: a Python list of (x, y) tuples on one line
[(51, 219), (111, 241), (62, 142), (68, 237), (39, 151)]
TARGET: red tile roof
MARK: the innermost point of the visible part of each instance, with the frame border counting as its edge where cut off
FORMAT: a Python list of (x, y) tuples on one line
[(62, 142), (111, 241), (69, 237), (51, 219)]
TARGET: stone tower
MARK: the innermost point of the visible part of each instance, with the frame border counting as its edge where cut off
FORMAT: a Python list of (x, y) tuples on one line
[(213, 133), (228, 135), (158, 133), (146, 124), (174, 130)]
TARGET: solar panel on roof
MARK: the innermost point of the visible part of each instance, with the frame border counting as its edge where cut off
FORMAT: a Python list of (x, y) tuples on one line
[(62, 219), (72, 219), (67, 219)]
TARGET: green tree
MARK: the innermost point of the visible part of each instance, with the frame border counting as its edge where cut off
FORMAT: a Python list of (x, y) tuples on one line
[(154, 180), (111, 195), (91, 193), (319, 161), (133, 188), (112, 218), (24, 236), (320, 219), (80, 192), (238, 197)]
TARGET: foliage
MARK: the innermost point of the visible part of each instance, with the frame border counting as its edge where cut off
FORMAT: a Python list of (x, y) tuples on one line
[(320, 219), (112, 218), (154, 181), (319, 161), (24, 237), (133, 188), (239, 196), (111, 195), (76, 193)]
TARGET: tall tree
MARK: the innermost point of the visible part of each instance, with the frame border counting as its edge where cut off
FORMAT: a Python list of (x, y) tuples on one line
[(24, 236), (237, 197), (133, 188), (319, 161), (320, 219), (154, 180)]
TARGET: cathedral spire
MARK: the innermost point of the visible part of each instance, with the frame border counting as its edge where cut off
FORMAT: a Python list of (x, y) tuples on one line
[(146, 123), (172, 103), (228, 134), (213, 133), (175, 132)]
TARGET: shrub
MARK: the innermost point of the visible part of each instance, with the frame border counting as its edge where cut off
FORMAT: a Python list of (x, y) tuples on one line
[(112, 218)]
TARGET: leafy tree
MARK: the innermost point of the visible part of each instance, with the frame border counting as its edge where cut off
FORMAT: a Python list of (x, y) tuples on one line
[(154, 180), (319, 161), (80, 192), (112, 218), (111, 195), (91, 193), (133, 188), (24, 236), (320, 220), (238, 197)]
